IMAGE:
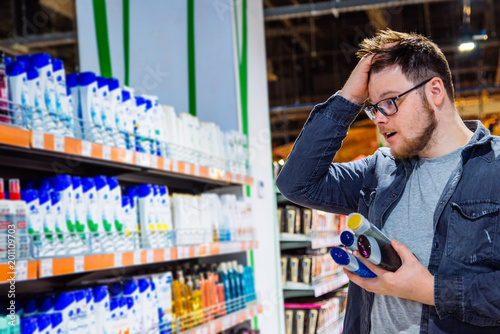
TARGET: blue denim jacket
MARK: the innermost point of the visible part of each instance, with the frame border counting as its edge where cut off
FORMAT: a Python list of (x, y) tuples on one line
[(465, 256)]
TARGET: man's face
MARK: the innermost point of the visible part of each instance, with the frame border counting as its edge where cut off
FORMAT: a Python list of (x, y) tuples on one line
[(409, 131)]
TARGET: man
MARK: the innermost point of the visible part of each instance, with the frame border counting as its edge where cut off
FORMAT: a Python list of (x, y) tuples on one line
[(436, 191)]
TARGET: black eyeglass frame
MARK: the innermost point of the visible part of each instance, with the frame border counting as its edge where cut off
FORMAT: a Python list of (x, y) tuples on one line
[(368, 109)]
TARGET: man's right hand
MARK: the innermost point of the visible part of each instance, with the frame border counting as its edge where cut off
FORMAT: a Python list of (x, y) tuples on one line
[(356, 87)]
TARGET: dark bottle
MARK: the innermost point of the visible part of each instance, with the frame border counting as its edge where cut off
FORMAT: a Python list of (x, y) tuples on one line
[(379, 252), (4, 91)]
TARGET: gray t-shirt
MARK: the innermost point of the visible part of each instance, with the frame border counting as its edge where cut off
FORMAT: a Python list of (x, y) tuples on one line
[(411, 223)]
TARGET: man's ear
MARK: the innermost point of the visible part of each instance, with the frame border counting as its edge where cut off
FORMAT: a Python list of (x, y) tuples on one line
[(436, 91)]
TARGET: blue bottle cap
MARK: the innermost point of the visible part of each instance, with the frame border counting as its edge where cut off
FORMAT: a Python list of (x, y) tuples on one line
[(347, 238), (31, 307), (131, 192), (86, 78), (139, 101), (56, 319), (125, 95), (144, 190), (112, 182), (101, 81), (47, 304), (113, 84), (156, 189), (29, 325), (71, 80), (79, 295), (57, 64), (100, 182), (143, 285), (40, 59), (89, 295), (130, 287), (62, 182), (31, 73), (16, 68), (8, 60), (122, 302), (163, 190), (100, 292), (340, 256), (76, 181), (26, 59), (29, 195), (126, 201), (55, 197), (63, 300), (149, 104), (43, 321), (87, 183), (115, 289)]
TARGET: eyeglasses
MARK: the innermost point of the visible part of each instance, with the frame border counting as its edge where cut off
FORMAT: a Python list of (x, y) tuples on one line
[(388, 107)]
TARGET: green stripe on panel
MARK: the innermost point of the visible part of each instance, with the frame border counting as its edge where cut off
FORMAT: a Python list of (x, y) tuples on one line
[(101, 31), (191, 58), (126, 40)]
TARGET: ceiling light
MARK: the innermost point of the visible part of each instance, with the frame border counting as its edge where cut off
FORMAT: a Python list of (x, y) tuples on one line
[(281, 162), (466, 46)]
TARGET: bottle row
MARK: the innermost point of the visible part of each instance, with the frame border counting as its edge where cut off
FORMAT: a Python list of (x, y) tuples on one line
[(311, 316), (308, 269), (70, 215), (310, 222), (161, 303), (37, 94)]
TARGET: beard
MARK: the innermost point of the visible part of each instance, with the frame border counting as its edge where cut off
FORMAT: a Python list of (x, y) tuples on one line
[(411, 147)]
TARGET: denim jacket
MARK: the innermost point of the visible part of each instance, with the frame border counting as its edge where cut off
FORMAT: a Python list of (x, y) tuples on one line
[(465, 256)]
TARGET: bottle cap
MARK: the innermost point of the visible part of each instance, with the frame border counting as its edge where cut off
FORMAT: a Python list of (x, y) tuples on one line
[(139, 101), (87, 183), (130, 287), (86, 78), (43, 321), (347, 238), (113, 84), (76, 181), (100, 292), (100, 182), (31, 73), (63, 300), (340, 256), (112, 182), (56, 319), (125, 95), (144, 190), (14, 190), (2, 189), (355, 221), (71, 80), (16, 68), (101, 81), (79, 295), (29, 325), (365, 246), (57, 64), (62, 182), (40, 60), (29, 195)]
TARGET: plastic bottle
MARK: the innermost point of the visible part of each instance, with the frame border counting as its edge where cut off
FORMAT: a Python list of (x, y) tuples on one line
[(349, 240), (379, 252), (34, 99), (89, 310), (351, 263), (65, 304), (115, 193), (30, 309), (148, 307), (228, 293), (90, 107), (107, 118), (42, 62), (166, 214), (105, 208), (80, 214), (91, 206), (18, 91), (361, 225), (44, 324), (74, 90), (57, 321), (102, 310), (125, 121), (4, 91), (34, 218), (80, 311), (19, 211), (64, 185), (140, 126), (63, 107), (131, 293), (29, 325), (146, 214), (6, 223)]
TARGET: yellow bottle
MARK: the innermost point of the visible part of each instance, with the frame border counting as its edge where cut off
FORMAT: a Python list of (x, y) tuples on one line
[(197, 302), (188, 305), (178, 301)]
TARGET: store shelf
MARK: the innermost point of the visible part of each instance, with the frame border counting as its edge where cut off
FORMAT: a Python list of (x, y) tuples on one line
[(336, 327), (30, 145), (291, 290), (50, 267), (318, 240), (227, 321)]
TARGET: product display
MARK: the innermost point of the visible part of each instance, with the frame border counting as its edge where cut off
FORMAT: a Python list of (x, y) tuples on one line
[(308, 269), (39, 96), (293, 219), (310, 316)]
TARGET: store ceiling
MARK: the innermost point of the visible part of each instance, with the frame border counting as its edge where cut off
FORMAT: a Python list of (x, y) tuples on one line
[(311, 45)]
